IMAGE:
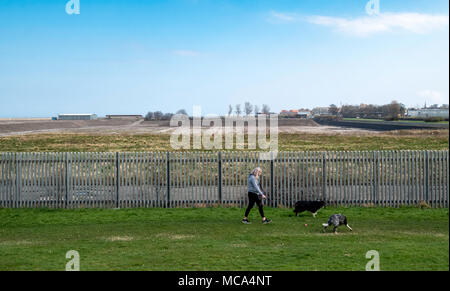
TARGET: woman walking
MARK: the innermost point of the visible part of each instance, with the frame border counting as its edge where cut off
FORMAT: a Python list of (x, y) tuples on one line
[(255, 195)]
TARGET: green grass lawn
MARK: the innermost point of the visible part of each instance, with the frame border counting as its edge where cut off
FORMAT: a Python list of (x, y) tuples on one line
[(215, 239)]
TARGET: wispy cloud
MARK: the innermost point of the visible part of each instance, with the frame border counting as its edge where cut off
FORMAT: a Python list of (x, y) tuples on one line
[(368, 25), (185, 53), (282, 17)]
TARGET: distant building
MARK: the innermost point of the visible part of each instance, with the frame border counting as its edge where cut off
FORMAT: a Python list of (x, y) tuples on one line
[(425, 113), (304, 114), (320, 111), (77, 117), (118, 116), (295, 113), (288, 113)]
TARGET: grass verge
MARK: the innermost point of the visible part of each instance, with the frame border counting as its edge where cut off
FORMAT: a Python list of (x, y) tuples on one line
[(215, 239)]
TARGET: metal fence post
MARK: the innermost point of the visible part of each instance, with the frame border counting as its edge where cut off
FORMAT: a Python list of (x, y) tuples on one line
[(168, 177), (427, 178), (117, 180), (18, 180), (324, 176), (66, 179), (219, 171), (272, 180), (375, 178)]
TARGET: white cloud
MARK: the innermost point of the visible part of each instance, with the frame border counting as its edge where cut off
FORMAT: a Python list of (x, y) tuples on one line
[(384, 22), (282, 17), (367, 25), (185, 53), (433, 96)]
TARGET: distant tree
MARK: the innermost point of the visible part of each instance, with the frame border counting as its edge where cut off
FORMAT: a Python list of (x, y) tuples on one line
[(167, 116), (369, 111), (182, 112), (350, 111), (158, 115), (149, 116), (333, 110), (395, 109), (265, 109), (248, 108), (238, 109), (256, 109), (230, 109), (392, 111)]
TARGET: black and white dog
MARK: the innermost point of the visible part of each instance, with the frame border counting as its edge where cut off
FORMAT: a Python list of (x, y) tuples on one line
[(311, 206), (336, 220)]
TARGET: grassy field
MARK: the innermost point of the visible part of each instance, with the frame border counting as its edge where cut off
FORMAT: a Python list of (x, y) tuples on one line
[(215, 239), (398, 140)]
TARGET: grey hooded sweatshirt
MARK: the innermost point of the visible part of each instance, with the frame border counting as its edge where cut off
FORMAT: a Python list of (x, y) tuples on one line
[(253, 185)]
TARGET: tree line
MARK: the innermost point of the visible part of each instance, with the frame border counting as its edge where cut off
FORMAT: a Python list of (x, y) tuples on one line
[(391, 111), (159, 115), (248, 109)]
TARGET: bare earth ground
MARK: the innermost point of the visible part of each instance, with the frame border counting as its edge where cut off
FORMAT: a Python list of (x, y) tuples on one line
[(11, 127), (131, 135)]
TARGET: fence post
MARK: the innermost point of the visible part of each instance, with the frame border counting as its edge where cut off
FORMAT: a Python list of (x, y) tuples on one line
[(117, 180), (66, 179), (375, 178), (18, 180), (427, 173), (168, 177), (324, 176), (272, 181), (219, 171)]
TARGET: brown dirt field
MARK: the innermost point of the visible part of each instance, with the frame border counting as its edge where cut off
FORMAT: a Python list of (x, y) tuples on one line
[(100, 126), (12, 127)]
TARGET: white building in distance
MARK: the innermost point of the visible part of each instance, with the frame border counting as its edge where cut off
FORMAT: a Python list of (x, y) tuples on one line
[(426, 113), (88, 116)]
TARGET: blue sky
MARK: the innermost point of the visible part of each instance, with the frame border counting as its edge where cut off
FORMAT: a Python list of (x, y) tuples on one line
[(135, 56)]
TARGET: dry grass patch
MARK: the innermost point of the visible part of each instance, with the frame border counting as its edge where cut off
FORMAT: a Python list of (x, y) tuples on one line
[(120, 238), (395, 140), (172, 236), (17, 243)]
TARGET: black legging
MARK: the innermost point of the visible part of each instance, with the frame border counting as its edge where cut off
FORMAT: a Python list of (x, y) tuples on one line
[(252, 199)]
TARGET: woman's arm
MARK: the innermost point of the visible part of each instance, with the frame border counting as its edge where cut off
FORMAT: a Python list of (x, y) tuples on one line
[(255, 185)]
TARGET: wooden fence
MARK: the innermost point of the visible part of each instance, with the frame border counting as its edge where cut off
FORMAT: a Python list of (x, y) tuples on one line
[(188, 179)]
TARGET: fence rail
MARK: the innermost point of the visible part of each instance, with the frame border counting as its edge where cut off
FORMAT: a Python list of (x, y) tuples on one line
[(187, 179)]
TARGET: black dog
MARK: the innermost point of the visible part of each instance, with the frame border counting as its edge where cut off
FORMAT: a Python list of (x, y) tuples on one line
[(336, 220), (311, 206)]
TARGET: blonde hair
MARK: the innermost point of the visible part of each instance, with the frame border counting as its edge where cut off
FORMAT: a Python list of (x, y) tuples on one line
[(256, 170)]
